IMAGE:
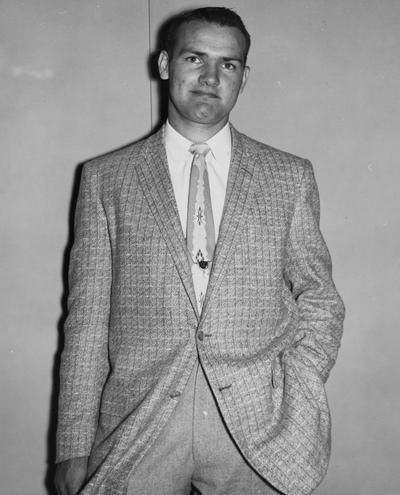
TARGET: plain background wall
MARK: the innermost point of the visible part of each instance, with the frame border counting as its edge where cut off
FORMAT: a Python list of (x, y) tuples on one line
[(324, 84)]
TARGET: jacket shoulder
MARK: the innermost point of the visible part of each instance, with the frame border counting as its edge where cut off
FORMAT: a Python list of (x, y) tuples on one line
[(268, 152), (115, 159)]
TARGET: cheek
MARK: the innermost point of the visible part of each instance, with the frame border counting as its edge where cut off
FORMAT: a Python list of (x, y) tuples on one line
[(182, 82), (176, 88), (233, 89)]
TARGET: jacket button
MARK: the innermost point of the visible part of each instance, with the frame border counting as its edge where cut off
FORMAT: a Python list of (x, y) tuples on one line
[(200, 335), (175, 394)]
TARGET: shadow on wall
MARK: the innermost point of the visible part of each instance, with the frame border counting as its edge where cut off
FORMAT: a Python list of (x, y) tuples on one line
[(162, 89), (51, 444)]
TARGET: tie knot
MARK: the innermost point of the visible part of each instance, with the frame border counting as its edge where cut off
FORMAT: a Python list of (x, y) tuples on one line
[(199, 149)]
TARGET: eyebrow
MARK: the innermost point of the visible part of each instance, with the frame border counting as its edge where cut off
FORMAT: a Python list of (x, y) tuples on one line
[(234, 59), (202, 54)]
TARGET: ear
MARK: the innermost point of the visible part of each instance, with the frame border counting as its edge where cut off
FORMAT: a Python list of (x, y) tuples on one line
[(245, 76), (163, 64)]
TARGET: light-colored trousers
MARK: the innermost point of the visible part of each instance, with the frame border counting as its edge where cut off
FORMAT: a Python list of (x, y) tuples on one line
[(195, 453)]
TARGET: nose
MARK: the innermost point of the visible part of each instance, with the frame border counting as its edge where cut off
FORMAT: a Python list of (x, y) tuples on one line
[(209, 75)]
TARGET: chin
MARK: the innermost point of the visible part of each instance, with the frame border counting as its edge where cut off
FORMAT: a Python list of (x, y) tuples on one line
[(204, 117)]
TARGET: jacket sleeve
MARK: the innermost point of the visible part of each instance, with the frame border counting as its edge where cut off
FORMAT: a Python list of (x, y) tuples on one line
[(84, 361), (309, 272)]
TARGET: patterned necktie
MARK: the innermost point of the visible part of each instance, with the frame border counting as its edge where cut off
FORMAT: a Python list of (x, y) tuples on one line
[(200, 233)]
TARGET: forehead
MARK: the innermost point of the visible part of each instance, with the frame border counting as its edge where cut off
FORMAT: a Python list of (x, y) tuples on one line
[(207, 37)]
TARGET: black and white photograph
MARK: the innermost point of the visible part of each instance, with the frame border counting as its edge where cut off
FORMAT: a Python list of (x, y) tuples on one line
[(200, 238)]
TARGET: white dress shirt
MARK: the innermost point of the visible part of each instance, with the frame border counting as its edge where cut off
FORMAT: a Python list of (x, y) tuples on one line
[(180, 161)]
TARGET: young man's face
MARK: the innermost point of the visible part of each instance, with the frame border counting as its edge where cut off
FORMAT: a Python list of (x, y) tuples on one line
[(206, 73)]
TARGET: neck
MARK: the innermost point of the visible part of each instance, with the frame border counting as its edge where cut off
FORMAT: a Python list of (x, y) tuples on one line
[(195, 132)]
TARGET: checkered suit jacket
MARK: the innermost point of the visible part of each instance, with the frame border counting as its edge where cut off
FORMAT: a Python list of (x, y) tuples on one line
[(271, 322)]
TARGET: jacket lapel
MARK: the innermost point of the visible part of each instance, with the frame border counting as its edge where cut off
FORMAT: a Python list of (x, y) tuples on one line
[(239, 180), (155, 180)]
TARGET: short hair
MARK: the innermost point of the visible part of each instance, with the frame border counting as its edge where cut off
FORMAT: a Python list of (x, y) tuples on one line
[(221, 16)]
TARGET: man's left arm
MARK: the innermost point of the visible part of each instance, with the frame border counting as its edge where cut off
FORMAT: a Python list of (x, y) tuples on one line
[(309, 271)]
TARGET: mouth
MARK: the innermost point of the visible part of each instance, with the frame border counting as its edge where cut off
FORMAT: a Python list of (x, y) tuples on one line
[(205, 93)]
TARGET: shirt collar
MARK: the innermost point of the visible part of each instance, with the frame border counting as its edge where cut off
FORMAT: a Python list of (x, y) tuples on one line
[(220, 143)]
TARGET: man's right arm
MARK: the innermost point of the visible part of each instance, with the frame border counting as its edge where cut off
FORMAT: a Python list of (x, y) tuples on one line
[(71, 475), (84, 361)]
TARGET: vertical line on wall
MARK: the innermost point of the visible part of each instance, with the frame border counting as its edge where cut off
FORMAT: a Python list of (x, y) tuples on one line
[(150, 84)]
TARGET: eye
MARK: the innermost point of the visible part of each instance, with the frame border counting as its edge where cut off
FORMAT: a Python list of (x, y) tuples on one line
[(229, 66), (192, 59)]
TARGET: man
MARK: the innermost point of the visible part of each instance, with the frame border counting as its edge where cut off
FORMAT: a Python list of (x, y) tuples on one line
[(203, 320)]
